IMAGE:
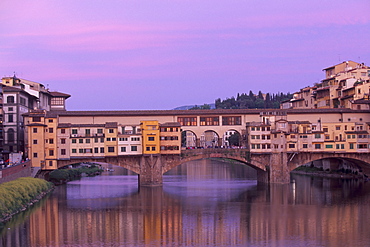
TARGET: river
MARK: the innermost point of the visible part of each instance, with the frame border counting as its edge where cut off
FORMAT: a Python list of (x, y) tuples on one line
[(202, 203)]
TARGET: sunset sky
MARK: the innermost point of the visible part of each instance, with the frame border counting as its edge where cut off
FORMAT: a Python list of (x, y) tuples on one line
[(149, 54)]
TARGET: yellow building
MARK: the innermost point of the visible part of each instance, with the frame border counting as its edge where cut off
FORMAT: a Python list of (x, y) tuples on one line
[(150, 137), (42, 140)]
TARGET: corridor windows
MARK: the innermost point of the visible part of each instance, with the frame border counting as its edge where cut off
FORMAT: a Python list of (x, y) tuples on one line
[(235, 120), (187, 121), (209, 121)]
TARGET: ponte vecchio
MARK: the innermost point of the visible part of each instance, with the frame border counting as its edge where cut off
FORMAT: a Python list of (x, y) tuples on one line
[(150, 143)]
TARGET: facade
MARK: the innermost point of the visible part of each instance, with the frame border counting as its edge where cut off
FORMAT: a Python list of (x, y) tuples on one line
[(281, 135)]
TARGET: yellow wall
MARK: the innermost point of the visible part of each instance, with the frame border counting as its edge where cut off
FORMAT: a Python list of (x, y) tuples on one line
[(151, 140)]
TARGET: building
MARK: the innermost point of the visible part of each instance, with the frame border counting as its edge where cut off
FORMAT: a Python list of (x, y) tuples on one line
[(346, 85), (18, 97), (281, 135)]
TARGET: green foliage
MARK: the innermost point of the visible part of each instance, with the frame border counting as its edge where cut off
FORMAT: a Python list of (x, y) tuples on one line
[(65, 175), (202, 107), (234, 139), (252, 101), (18, 193)]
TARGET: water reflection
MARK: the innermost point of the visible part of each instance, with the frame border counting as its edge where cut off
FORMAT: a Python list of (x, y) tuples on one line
[(205, 203)]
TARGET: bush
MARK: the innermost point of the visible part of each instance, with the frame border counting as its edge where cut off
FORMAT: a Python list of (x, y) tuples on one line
[(18, 194)]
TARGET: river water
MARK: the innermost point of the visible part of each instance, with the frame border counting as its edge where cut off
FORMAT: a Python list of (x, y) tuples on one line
[(202, 203)]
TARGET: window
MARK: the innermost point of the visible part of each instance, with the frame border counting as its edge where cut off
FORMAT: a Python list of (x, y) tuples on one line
[(63, 152), (187, 121), (10, 135), (100, 131), (74, 131), (110, 149), (325, 129), (108, 139), (133, 139), (111, 131), (209, 121), (328, 146), (150, 138), (305, 145), (317, 146), (81, 150), (62, 131), (63, 141), (337, 127), (153, 148), (51, 141), (51, 130), (362, 146), (96, 150), (123, 149), (35, 119), (35, 155), (74, 150), (291, 145), (10, 99), (50, 120), (87, 132), (22, 101), (133, 148), (101, 150), (74, 141), (87, 140), (57, 101), (10, 118), (51, 152), (80, 140), (317, 136), (34, 141)]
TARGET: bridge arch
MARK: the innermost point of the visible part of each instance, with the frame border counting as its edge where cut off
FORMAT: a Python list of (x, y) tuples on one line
[(210, 139), (131, 163), (189, 139), (231, 137), (332, 161)]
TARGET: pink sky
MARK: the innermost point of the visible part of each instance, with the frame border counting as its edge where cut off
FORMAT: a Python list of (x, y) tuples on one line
[(144, 54)]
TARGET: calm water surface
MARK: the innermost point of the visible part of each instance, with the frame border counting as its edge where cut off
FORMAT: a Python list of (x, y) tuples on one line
[(203, 203)]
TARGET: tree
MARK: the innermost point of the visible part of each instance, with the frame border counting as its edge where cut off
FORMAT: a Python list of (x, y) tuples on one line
[(234, 139)]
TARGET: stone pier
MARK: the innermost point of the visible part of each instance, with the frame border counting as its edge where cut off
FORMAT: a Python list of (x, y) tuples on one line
[(151, 170)]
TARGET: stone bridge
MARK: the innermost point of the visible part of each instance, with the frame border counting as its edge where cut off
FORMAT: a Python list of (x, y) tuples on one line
[(271, 167)]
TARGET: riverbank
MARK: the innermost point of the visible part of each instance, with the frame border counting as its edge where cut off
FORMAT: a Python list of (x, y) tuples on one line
[(18, 195), (314, 171)]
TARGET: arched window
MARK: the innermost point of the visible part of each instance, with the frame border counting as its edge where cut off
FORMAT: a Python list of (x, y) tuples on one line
[(10, 99), (10, 135)]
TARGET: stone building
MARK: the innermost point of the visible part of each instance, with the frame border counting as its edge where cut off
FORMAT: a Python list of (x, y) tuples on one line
[(19, 96)]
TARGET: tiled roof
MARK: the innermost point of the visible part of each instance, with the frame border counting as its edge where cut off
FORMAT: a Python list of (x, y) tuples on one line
[(59, 94), (172, 124)]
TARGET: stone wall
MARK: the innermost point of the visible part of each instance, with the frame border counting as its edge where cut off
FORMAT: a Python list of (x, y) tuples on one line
[(15, 171)]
